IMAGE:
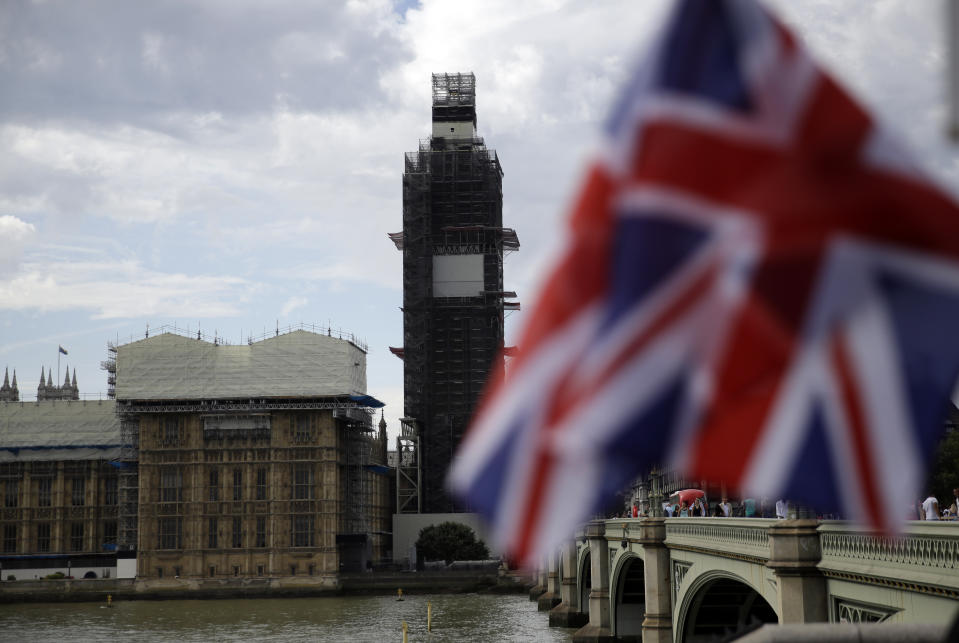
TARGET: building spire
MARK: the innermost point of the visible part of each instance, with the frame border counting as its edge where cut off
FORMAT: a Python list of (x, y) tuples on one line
[(66, 378), (8, 393), (43, 381), (50, 378), (74, 377)]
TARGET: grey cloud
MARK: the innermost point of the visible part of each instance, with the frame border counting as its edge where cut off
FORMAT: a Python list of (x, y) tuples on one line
[(105, 61)]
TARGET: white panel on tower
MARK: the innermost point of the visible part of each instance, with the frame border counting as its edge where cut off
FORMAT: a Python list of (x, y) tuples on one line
[(457, 275)]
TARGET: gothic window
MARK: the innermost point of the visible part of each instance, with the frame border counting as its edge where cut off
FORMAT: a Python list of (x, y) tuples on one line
[(261, 484), (214, 485), (237, 532), (302, 531), (76, 536), (237, 484), (79, 492), (110, 532), (44, 492), (302, 431), (110, 492), (11, 494), (170, 533), (171, 484), (303, 481), (212, 528), (260, 533), (169, 432), (9, 539), (43, 537)]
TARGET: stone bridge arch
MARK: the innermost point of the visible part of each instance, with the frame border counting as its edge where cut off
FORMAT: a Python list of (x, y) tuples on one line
[(627, 599), (719, 602), (584, 579)]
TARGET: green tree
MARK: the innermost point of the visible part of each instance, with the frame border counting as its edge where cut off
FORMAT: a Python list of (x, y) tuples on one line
[(450, 541), (944, 469)]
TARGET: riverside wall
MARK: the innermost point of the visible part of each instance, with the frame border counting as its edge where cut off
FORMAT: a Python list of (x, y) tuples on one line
[(119, 589)]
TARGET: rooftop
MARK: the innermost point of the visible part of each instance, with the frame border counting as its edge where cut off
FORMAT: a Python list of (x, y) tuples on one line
[(295, 364), (59, 430)]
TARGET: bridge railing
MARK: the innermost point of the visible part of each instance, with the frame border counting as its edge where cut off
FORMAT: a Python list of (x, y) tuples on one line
[(726, 536), (926, 553)]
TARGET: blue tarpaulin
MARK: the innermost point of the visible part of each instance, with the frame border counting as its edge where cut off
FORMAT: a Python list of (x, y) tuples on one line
[(367, 400)]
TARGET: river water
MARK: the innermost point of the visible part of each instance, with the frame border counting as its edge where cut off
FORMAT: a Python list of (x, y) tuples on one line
[(456, 617)]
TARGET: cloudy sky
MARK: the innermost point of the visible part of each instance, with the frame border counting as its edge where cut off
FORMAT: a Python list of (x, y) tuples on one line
[(233, 164)]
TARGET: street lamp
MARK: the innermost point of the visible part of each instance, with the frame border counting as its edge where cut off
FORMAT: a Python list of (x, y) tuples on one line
[(655, 493)]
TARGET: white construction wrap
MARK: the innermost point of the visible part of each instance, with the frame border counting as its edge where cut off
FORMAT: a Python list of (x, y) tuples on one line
[(61, 430), (296, 364)]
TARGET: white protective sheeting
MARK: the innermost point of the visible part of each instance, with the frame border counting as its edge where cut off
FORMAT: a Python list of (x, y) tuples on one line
[(457, 275), (297, 364), (63, 430)]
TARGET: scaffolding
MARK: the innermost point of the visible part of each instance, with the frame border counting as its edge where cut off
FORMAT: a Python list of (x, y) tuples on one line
[(407, 468), (452, 205), (128, 482), (293, 470)]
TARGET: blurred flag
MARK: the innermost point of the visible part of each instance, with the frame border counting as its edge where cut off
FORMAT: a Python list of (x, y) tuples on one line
[(62, 349), (759, 289)]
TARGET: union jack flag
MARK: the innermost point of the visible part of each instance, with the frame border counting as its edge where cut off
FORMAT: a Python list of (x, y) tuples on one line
[(759, 289)]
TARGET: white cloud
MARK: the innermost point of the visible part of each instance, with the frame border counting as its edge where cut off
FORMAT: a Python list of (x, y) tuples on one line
[(14, 235), (168, 161), (292, 304), (121, 289)]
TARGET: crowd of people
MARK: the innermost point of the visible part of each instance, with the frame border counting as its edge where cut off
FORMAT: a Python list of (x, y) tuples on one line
[(928, 509), (700, 507)]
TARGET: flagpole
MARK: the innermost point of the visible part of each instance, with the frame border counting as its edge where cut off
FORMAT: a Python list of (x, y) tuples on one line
[(58, 366)]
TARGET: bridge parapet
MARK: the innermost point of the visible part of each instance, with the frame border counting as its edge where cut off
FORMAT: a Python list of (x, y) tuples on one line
[(746, 539), (925, 558)]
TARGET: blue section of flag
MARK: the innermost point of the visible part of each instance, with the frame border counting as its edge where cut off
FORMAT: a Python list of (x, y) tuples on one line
[(646, 250), (701, 56), (62, 350), (924, 326), (812, 481), (491, 481), (641, 442)]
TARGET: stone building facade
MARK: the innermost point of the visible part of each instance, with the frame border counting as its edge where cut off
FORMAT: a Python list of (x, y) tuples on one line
[(58, 489), (257, 460)]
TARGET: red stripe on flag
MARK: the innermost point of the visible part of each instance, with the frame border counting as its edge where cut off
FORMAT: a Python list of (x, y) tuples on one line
[(856, 420)]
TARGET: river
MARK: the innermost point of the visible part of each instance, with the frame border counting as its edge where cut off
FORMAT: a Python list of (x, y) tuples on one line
[(456, 617)]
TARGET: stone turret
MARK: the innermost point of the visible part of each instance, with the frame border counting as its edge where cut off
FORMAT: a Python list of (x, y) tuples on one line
[(47, 391), (9, 393), (382, 437)]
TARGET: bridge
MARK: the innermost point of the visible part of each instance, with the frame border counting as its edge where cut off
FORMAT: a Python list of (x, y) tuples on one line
[(666, 580)]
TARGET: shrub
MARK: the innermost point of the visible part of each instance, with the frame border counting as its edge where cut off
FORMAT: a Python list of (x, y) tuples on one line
[(55, 576), (449, 541)]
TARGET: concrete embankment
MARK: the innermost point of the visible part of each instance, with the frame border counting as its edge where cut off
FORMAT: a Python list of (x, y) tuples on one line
[(77, 590)]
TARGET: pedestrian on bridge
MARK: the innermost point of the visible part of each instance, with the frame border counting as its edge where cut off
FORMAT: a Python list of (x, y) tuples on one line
[(726, 509), (930, 506)]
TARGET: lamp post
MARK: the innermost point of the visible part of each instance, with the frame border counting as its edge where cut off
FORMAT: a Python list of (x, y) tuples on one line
[(655, 493)]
